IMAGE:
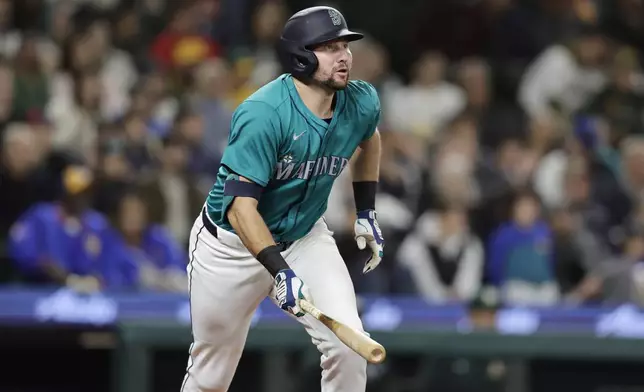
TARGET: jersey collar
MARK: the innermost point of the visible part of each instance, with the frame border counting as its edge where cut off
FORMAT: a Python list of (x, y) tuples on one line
[(340, 97)]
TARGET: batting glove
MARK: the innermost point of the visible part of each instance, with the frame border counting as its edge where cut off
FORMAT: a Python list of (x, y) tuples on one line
[(289, 290), (367, 232)]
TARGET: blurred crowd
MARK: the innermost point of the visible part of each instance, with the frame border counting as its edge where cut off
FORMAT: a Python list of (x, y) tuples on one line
[(513, 143)]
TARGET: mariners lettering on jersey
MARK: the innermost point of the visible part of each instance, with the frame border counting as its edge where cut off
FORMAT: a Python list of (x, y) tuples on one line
[(286, 169)]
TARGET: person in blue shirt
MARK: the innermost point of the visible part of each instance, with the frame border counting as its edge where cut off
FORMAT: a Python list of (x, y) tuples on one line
[(60, 242), (520, 258), (140, 255)]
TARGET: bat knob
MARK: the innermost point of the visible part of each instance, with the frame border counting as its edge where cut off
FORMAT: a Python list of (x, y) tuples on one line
[(378, 355)]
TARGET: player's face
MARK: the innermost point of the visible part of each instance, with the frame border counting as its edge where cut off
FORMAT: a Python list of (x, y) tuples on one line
[(334, 64)]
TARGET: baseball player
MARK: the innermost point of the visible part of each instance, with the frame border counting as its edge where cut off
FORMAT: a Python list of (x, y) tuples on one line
[(261, 232)]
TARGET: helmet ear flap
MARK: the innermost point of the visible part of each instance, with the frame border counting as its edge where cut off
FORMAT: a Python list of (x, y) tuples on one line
[(297, 60), (307, 62)]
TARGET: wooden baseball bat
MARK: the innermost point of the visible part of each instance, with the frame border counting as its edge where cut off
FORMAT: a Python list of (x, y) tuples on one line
[(362, 344)]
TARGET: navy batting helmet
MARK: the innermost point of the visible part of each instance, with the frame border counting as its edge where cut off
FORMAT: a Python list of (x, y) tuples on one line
[(307, 28)]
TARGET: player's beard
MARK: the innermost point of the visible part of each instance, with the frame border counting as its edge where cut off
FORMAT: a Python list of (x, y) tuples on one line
[(330, 83)]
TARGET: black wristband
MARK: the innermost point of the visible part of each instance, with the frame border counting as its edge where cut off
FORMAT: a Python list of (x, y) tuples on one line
[(364, 193), (272, 260)]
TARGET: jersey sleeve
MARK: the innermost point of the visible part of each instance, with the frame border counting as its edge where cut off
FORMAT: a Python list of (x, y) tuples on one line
[(372, 105), (253, 143)]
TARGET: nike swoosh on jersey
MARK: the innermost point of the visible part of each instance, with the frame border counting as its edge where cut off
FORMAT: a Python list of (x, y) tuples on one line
[(295, 137)]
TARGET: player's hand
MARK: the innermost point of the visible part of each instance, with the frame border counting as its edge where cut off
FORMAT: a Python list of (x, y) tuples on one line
[(367, 232), (289, 290)]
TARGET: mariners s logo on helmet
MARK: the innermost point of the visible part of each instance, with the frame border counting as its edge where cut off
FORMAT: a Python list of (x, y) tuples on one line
[(335, 17)]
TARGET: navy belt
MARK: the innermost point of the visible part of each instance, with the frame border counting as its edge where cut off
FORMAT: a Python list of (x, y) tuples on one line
[(212, 229)]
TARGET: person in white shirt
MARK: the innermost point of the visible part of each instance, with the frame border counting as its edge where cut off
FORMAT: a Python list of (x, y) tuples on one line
[(563, 78), (428, 104), (444, 259)]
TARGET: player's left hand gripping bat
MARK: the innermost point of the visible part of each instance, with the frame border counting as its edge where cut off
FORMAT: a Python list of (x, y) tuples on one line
[(362, 344)]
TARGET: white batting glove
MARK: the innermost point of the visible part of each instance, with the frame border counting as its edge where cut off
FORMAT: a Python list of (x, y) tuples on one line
[(289, 290), (367, 232)]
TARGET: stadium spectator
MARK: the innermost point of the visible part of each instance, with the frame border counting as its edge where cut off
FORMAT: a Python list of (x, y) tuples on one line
[(520, 260), (143, 93), (267, 22), (74, 126), (140, 254), (211, 100), (623, 275), (172, 195), (564, 77), (190, 127), (443, 257), (114, 175), (424, 107), (633, 166), (60, 242), (578, 255), (30, 84), (9, 36), (140, 147), (499, 172), (621, 102), (23, 184), (182, 44), (588, 214)]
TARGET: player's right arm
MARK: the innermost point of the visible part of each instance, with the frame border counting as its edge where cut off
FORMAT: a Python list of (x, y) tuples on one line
[(251, 156), (250, 226), (255, 235)]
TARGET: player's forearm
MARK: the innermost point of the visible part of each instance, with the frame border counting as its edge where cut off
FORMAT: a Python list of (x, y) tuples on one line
[(366, 172), (367, 165), (251, 228), (256, 237)]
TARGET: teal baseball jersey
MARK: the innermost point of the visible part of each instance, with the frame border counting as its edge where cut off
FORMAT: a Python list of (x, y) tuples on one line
[(278, 143)]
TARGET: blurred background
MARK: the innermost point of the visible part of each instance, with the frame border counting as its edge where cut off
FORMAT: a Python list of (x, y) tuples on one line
[(511, 191)]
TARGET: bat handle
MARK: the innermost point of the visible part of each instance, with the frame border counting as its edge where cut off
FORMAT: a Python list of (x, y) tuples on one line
[(310, 309)]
